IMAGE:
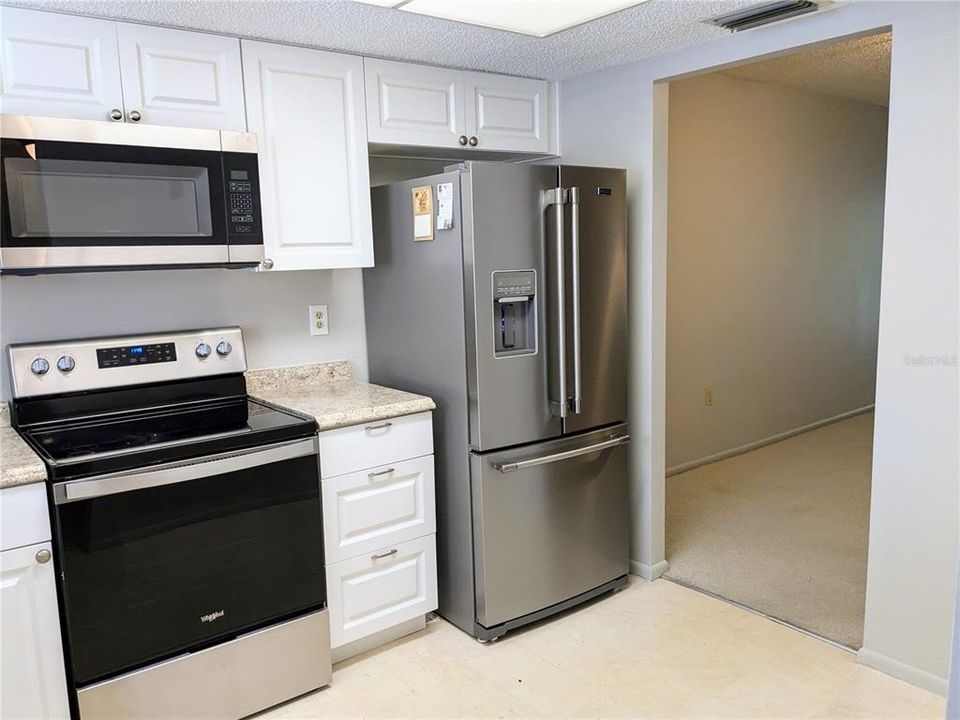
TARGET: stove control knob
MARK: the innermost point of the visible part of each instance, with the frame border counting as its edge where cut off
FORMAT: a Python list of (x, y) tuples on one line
[(203, 351), (224, 349), (66, 363), (40, 366)]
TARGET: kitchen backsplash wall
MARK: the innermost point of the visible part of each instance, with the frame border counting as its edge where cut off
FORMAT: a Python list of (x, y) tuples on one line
[(270, 307)]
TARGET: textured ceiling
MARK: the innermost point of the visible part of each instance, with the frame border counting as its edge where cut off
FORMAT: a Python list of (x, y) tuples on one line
[(858, 69), (651, 28)]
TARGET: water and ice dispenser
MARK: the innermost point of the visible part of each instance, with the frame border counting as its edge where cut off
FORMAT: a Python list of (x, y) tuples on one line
[(515, 313)]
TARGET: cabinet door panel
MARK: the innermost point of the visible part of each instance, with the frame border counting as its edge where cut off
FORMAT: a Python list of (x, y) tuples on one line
[(33, 683), (380, 442), (58, 65), (369, 509), (307, 109), (414, 104), (176, 77), (373, 592), (508, 113)]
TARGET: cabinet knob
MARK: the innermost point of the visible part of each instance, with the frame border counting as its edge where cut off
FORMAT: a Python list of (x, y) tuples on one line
[(267, 264), (135, 115), (116, 114), (474, 141), (462, 140), (43, 556)]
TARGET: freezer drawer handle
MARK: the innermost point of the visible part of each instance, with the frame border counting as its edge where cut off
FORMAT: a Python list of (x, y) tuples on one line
[(557, 457)]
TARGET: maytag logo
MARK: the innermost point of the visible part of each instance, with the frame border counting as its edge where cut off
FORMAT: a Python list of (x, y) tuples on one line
[(210, 617)]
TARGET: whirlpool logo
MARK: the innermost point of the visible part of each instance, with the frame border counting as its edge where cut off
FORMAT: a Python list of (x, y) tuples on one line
[(210, 617)]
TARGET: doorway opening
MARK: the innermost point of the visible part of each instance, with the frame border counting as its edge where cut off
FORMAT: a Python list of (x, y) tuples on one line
[(774, 240)]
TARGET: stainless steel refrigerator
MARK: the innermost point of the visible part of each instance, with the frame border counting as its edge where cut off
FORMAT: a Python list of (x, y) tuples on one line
[(505, 300)]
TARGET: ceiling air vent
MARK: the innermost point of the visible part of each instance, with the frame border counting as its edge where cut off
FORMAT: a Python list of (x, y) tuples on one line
[(763, 14)]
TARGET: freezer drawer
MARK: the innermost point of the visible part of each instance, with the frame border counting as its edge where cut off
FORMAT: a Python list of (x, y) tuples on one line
[(551, 521)]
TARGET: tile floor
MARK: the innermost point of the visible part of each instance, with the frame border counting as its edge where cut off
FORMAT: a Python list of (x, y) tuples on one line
[(654, 650)]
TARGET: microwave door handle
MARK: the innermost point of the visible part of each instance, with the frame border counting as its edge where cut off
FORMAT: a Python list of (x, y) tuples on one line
[(180, 472), (573, 196)]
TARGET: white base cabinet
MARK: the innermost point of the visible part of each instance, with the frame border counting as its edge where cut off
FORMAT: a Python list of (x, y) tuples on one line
[(32, 678), (379, 524), (371, 593)]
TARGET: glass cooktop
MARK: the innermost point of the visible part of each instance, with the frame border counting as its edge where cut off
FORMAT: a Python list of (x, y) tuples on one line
[(133, 439)]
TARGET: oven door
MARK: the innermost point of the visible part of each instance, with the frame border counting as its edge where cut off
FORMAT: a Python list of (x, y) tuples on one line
[(75, 204), (175, 558)]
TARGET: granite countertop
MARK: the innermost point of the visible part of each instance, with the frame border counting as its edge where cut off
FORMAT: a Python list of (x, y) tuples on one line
[(329, 393), (19, 465)]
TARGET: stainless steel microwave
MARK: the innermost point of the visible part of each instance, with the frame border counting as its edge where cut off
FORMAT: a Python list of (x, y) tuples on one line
[(89, 195)]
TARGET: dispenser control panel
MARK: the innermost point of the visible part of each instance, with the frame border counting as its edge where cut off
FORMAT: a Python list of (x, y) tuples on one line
[(514, 283)]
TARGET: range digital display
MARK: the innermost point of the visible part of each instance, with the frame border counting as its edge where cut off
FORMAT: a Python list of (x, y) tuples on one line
[(136, 355)]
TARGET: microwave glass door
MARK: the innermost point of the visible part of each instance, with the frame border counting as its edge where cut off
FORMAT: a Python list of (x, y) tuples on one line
[(81, 198), (67, 194)]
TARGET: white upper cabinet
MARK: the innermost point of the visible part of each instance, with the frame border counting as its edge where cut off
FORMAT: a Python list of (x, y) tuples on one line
[(58, 65), (414, 104), (425, 106), (307, 109), (177, 77), (507, 113)]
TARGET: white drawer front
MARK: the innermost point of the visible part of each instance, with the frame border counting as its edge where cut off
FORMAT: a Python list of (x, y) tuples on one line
[(372, 508), (23, 516), (368, 594), (381, 442)]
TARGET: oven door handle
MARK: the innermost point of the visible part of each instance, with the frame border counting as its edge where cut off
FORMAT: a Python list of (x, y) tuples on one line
[(181, 472)]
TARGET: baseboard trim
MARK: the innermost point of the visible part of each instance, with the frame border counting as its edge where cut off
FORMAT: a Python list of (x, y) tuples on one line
[(902, 671), (740, 449), (648, 572)]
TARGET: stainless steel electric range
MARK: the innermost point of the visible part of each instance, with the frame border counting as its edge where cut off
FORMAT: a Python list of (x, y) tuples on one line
[(187, 525)]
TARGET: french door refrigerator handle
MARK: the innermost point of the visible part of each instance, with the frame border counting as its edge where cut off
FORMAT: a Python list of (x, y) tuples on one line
[(557, 197), (557, 457), (181, 472), (573, 197)]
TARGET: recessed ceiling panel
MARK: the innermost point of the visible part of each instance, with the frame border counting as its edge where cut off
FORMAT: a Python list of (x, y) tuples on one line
[(539, 18)]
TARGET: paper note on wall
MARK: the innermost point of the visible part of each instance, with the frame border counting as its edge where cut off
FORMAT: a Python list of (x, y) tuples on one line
[(422, 213)]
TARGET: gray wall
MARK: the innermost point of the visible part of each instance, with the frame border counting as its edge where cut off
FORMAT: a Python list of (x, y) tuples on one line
[(915, 495), (270, 307), (774, 231)]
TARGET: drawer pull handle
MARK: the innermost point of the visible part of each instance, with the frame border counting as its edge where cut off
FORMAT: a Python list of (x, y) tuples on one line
[(383, 555), (381, 472), (43, 556), (380, 426)]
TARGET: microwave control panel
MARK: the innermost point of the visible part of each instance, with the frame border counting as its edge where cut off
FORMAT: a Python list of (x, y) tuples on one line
[(243, 197)]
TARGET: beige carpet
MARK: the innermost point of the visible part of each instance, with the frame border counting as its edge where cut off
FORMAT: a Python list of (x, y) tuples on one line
[(781, 529)]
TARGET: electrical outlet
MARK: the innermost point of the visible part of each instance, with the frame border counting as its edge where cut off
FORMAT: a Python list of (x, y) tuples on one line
[(708, 397), (319, 320)]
